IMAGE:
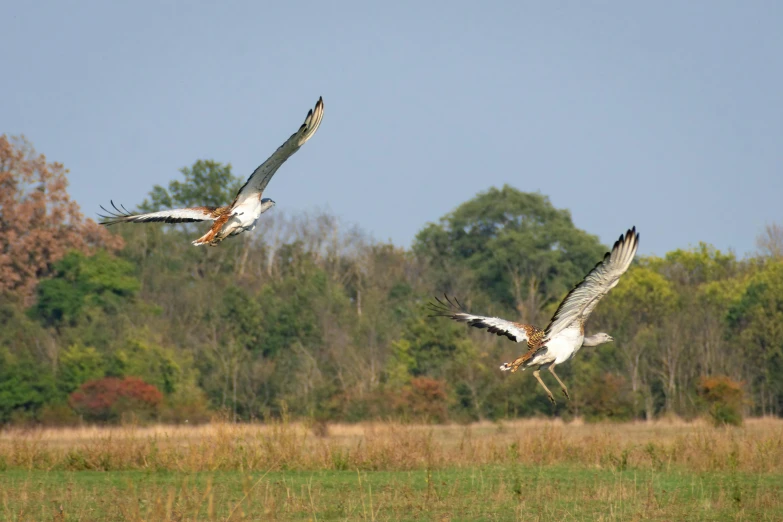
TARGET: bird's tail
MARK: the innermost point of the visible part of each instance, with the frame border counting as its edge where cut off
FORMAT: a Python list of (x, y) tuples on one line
[(210, 238), (523, 360), (206, 239)]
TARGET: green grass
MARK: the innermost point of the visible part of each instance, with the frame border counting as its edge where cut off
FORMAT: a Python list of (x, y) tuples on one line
[(505, 492)]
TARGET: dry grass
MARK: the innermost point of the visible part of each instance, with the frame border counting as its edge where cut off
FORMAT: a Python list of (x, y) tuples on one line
[(664, 445), (520, 470)]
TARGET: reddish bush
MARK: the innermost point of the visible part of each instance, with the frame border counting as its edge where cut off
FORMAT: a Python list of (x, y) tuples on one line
[(425, 399), (722, 399), (107, 399)]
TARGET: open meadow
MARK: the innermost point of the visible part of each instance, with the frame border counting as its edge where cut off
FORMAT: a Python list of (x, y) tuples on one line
[(520, 470)]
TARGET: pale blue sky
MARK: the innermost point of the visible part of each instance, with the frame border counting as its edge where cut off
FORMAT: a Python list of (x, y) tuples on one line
[(666, 115)]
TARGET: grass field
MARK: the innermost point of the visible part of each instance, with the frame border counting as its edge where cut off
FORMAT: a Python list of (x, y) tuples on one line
[(522, 470)]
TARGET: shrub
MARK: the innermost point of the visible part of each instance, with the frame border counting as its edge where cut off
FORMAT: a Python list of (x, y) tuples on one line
[(57, 414), (188, 405), (424, 399), (24, 387), (606, 398), (352, 406), (107, 399), (721, 397)]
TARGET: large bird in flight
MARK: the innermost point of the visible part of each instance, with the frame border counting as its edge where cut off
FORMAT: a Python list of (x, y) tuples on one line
[(565, 335), (248, 205)]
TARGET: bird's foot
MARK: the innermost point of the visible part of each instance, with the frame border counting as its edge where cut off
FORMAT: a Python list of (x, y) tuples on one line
[(565, 392), (552, 399)]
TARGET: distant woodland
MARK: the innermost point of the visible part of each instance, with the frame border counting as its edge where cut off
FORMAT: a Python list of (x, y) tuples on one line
[(308, 317)]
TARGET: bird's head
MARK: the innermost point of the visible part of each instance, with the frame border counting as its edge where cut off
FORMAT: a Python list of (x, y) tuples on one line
[(598, 339), (266, 204)]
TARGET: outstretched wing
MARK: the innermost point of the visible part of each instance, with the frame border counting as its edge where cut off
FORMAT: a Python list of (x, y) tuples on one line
[(581, 300), (517, 332), (258, 181), (177, 215)]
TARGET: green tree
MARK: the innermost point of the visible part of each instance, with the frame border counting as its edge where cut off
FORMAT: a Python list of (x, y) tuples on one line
[(635, 312), (757, 320), (206, 182), (157, 365), (692, 341), (524, 253), (429, 346), (79, 364), (24, 388), (101, 280)]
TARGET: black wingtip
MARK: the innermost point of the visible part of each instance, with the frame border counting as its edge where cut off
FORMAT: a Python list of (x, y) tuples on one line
[(451, 305), (115, 216), (440, 307), (631, 234), (444, 308)]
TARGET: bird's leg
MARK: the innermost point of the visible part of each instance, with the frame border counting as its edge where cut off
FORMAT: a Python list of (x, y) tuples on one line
[(537, 375), (562, 386)]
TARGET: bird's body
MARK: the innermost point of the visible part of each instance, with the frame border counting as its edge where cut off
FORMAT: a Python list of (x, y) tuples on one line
[(248, 205), (565, 334), (243, 217), (560, 349)]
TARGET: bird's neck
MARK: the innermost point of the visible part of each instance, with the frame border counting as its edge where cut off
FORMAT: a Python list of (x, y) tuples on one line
[(592, 340)]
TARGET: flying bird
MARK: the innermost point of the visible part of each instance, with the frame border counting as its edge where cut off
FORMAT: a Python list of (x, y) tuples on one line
[(243, 213), (565, 334)]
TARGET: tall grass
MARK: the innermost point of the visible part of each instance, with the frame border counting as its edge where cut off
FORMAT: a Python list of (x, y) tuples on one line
[(387, 446)]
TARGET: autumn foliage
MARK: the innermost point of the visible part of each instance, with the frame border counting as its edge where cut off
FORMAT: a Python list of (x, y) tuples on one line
[(309, 318), (109, 398), (722, 397), (39, 223), (425, 399)]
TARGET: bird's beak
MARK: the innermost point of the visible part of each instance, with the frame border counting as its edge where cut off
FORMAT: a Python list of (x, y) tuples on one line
[(611, 339)]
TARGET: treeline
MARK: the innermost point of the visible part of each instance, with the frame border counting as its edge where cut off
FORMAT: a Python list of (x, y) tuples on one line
[(308, 317)]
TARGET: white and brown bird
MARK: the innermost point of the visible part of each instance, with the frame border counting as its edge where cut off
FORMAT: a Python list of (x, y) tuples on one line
[(565, 334), (248, 205)]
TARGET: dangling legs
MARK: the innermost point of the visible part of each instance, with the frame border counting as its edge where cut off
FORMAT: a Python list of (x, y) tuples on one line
[(537, 375), (562, 386)]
